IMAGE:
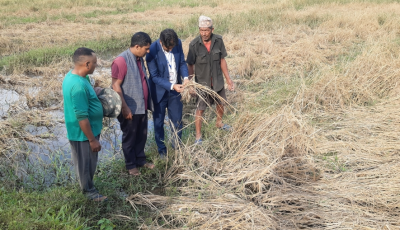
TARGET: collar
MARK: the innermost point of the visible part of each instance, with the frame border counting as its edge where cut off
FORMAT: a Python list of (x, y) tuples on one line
[(212, 39), (136, 58), (165, 52), (162, 49)]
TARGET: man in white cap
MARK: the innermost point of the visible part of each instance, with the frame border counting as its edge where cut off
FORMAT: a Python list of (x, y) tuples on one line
[(206, 60)]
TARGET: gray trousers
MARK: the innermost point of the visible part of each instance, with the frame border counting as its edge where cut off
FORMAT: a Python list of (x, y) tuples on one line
[(85, 163)]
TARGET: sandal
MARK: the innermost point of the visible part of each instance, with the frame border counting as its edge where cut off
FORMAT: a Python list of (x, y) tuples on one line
[(226, 127), (198, 142), (149, 165), (134, 172), (99, 198)]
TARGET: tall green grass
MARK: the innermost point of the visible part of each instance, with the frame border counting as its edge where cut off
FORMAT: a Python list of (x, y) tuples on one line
[(47, 55), (58, 208), (257, 20), (27, 202), (26, 206)]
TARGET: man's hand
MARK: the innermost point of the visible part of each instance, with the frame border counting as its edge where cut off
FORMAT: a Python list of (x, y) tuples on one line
[(185, 82), (126, 112), (192, 91), (87, 130), (231, 85), (178, 88), (95, 145)]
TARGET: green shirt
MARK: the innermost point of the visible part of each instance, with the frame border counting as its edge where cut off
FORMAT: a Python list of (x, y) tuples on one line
[(80, 103)]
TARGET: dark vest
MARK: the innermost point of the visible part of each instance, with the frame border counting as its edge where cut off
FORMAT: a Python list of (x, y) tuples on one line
[(132, 85)]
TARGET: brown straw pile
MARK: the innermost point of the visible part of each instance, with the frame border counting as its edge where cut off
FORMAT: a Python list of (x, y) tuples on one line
[(242, 186)]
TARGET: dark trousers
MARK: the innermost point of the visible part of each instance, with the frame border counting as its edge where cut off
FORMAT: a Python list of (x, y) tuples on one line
[(85, 163), (134, 137), (171, 101)]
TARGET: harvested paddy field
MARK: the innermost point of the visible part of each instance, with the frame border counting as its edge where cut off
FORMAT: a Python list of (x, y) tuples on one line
[(315, 140)]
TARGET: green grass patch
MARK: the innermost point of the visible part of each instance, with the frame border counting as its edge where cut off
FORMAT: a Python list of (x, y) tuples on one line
[(333, 163), (65, 207), (56, 208), (254, 20), (47, 55), (40, 8), (260, 20), (312, 20), (277, 91)]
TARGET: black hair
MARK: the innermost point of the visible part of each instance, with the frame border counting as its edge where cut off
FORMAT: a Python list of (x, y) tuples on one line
[(82, 51), (141, 39), (168, 38)]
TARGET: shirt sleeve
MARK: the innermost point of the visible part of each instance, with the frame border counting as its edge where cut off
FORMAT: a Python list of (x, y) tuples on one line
[(191, 57), (223, 50), (119, 68), (80, 102), (182, 63)]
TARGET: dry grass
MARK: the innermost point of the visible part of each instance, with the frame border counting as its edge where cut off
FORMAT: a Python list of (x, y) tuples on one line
[(238, 187), (17, 38), (371, 76), (275, 171), (359, 150)]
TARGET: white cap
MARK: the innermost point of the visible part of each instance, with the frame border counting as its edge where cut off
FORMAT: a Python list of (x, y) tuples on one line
[(205, 21)]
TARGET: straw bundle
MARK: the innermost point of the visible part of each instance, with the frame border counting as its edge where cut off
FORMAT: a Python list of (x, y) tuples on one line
[(238, 188), (195, 89)]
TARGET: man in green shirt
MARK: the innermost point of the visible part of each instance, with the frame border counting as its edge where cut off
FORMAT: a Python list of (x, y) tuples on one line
[(83, 118)]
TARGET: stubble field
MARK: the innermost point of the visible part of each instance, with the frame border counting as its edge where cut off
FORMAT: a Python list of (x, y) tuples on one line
[(315, 140)]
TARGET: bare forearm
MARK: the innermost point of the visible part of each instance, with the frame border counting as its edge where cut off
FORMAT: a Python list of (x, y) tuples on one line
[(117, 88), (86, 129), (191, 71), (224, 68)]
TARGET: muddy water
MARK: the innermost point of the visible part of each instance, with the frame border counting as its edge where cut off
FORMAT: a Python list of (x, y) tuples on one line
[(54, 138), (49, 161), (7, 99)]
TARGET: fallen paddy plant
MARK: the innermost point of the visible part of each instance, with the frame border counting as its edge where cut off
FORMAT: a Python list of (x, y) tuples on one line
[(237, 187), (193, 89)]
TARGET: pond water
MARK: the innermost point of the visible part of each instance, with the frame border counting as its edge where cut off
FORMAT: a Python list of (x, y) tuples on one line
[(55, 138), (48, 161), (7, 99)]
